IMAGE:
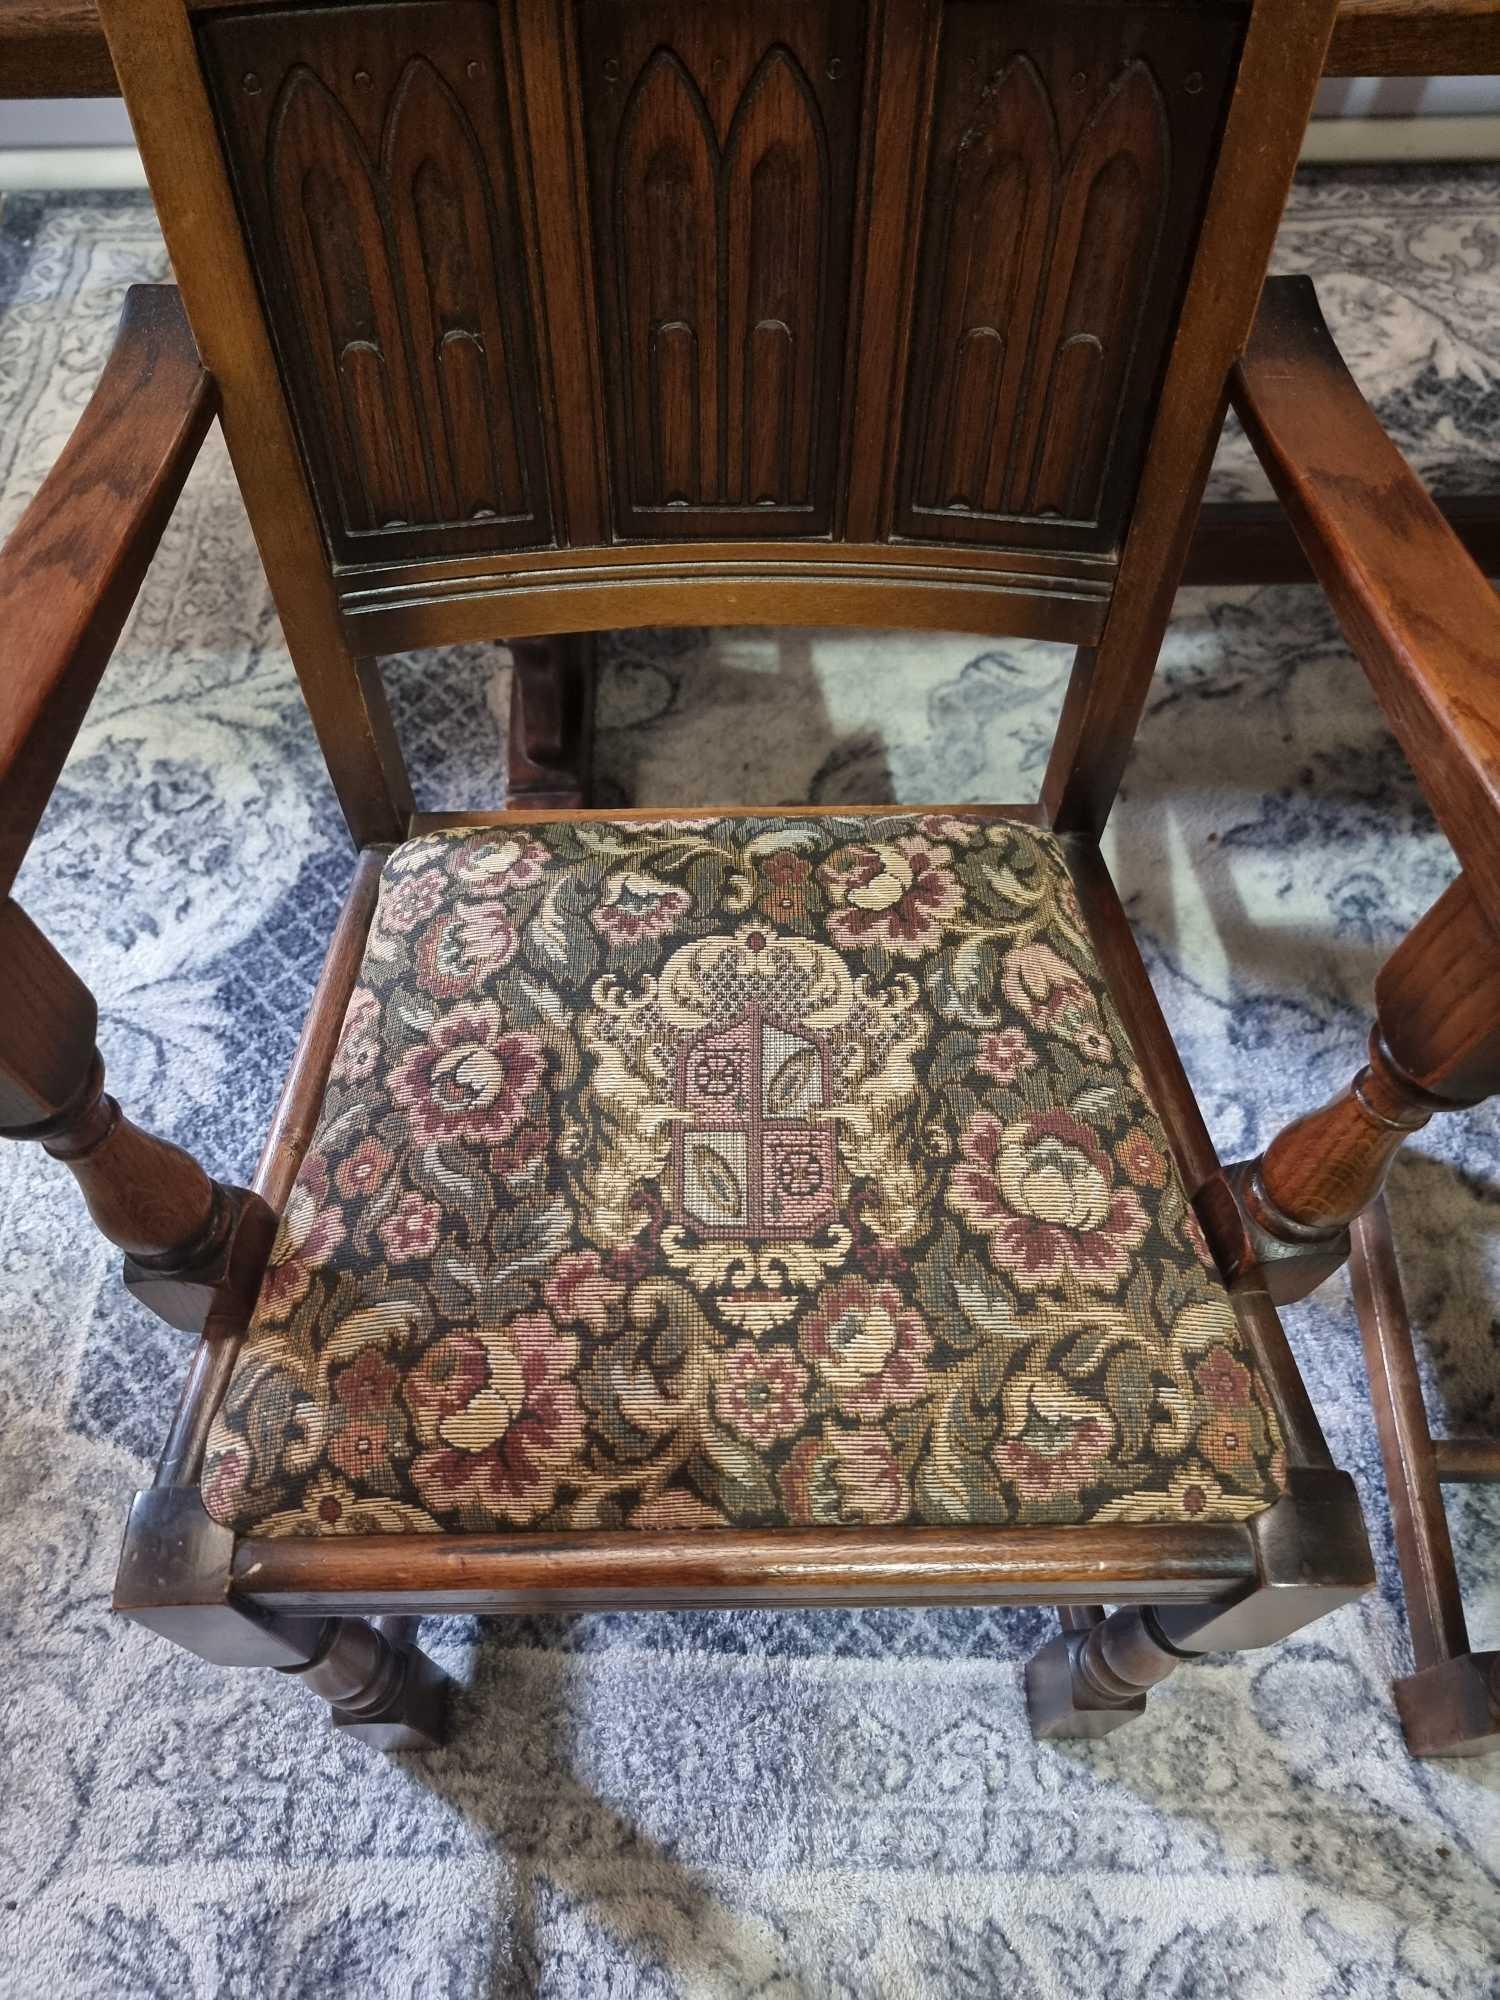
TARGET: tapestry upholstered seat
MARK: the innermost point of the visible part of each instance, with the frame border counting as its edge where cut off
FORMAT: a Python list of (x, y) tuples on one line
[(759, 1172)]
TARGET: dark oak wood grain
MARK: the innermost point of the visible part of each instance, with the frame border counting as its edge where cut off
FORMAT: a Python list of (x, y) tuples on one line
[(71, 567), (1065, 181), (296, 1115), (1192, 1147), (722, 151), (681, 212), (191, 1244), (1274, 88), (1251, 541), (1415, 38), (728, 1567), (1435, 1047), (513, 816), (1425, 625), (1024, 593), (551, 740), (157, 61), (56, 48), (1416, 609), (1467, 1461), (373, 162)]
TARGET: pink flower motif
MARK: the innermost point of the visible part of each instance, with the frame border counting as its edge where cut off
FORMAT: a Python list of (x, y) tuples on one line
[(636, 905), (224, 1480), (897, 894), (500, 1417), (366, 1425), (1054, 1460), (1223, 1380), (948, 826), (1005, 1054), (1142, 1159), (789, 891), (364, 1170), (1046, 991), (468, 1081), (502, 861), (1040, 1188), (761, 1396), (411, 1229), (411, 901), (579, 1290), (868, 1344), (844, 1479), (462, 947)]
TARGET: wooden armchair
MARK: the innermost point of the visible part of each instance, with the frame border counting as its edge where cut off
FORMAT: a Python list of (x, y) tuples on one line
[(1425, 624), (714, 1207)]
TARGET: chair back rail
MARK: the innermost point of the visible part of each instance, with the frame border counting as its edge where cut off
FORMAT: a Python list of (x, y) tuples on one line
[(555, 315)]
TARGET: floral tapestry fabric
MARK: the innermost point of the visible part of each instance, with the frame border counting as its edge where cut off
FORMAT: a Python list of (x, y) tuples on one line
[(759, 1172)]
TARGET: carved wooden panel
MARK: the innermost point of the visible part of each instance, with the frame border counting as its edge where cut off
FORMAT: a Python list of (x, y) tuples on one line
[(1070, 153), (373, 164), (722, 152)]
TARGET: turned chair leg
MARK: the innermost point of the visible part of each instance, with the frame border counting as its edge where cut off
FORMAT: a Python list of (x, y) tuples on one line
[(380, 1687), (1435, 1047), (1311, 1555), (552, 722), (1091, 1679), (175, 1579), (190, 1242)]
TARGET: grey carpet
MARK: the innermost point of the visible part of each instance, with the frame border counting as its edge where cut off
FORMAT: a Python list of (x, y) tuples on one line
[(777, 1805)]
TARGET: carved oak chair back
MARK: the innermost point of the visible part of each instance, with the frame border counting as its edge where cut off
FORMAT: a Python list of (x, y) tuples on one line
[(546, 316), (537, 317)]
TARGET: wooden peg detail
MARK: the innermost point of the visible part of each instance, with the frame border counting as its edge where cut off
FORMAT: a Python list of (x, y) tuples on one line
[(1435, 1047), (175, 1579)]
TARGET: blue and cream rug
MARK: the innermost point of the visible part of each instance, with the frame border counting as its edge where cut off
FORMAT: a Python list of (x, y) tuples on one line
[(734, 1805)]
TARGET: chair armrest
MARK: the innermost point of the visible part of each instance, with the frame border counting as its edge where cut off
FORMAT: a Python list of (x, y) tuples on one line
[(1421, 616), (70, 571)]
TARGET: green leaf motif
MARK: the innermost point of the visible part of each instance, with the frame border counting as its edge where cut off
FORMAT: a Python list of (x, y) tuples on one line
[(798, 834), (790, 1086), (717, 1179), (741, 1485)]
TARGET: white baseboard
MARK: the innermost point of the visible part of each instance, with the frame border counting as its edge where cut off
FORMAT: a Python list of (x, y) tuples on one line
[(1402, 140), (83, 167), (1328, 140)]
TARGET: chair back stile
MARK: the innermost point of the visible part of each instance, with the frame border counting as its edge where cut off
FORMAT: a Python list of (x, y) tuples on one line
[(547, 316)]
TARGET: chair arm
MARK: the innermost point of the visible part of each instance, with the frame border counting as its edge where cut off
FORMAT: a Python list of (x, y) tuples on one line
[(70, 571), (1420, 615)]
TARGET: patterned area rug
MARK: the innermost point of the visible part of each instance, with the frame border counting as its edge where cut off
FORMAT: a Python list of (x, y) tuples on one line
[(738, 1804)]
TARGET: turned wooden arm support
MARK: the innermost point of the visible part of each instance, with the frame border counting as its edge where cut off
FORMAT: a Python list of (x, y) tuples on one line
[(70, 570), (1416, 609), (68, 577), (1426, 626)]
